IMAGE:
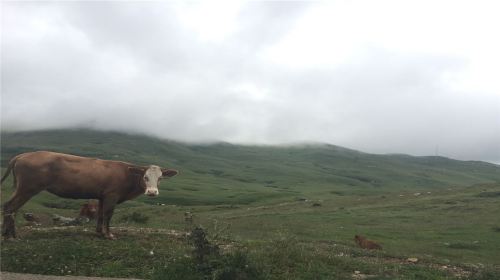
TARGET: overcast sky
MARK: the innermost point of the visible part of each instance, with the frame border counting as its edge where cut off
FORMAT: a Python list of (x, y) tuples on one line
[(415, 77)]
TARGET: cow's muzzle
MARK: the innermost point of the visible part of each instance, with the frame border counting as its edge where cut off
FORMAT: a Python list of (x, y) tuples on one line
[(151, 193)]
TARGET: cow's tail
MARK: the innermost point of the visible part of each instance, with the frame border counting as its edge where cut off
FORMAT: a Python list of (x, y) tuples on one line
[(9, 169)]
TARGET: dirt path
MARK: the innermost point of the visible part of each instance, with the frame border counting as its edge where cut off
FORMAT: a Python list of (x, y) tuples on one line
[(169, 232), (19, 276)]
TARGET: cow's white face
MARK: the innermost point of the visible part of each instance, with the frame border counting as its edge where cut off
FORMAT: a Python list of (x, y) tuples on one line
[(151, 178)]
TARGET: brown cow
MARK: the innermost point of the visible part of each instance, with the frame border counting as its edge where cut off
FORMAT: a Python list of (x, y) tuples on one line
[(89, 210), (365, 243), (68, 176)]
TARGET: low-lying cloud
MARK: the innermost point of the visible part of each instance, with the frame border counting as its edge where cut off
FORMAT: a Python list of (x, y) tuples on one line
[(193, 72)]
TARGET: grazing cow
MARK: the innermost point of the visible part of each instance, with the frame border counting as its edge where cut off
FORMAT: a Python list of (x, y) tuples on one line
[(68, 176), (89, 210), (365, 243)]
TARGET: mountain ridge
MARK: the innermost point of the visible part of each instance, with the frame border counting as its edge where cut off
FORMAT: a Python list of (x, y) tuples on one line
[(304, 144), (254, 173)]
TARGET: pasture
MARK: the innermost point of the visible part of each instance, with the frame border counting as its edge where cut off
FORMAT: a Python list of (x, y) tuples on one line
[(276, 213)]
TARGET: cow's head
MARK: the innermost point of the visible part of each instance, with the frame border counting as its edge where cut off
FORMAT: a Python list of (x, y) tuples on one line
[(151, 177)]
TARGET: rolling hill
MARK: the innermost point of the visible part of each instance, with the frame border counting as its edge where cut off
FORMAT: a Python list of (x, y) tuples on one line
[(248, 174)]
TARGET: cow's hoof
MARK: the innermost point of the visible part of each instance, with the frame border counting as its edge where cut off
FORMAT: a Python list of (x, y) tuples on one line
[(9, 238)]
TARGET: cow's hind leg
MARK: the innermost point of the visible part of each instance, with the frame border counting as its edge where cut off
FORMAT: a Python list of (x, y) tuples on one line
[(9, 210), (100, 217)]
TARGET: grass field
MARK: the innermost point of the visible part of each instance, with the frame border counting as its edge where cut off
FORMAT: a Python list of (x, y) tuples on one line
[(276, 212)]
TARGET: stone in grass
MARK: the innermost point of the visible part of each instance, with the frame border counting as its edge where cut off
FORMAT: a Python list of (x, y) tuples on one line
[(412, 260)]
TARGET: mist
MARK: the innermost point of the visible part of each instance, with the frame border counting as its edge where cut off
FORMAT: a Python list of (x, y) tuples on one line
[(369, 76)]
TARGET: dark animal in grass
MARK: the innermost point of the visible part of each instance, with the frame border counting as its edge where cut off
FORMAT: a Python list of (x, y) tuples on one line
[(69, 176), (365, 243), (89, 210)]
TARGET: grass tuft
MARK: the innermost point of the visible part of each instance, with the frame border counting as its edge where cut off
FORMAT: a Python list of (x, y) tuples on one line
[(135, 217)]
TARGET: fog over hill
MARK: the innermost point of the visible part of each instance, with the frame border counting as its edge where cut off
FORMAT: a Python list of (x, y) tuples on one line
[(369, 75)]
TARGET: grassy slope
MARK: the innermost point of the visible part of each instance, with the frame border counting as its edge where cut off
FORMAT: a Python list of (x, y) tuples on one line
[(253, 191), (245, 174)]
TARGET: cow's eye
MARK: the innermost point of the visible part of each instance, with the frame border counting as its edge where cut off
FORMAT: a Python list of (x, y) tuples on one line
[(146, 179)]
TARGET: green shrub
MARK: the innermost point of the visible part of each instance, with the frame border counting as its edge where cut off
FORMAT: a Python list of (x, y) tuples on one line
[(486, 274), (462, 245), (489, 194), (135, 217), (182, 269), (207, 262), (236, 265)]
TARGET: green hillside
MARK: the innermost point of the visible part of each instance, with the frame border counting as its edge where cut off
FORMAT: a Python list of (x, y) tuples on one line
[(292, 210), (247, 174)]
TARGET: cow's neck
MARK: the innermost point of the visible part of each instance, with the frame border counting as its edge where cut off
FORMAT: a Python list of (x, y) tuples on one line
[(135, 189)]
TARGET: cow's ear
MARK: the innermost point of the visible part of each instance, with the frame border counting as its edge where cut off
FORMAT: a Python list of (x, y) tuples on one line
[(137, 170), (168, 172)]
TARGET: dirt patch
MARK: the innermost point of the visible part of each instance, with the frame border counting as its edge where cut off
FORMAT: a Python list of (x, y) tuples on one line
[(170, 232)]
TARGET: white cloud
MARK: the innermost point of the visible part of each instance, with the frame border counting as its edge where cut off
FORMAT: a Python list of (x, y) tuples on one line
[(335, 33), (380, 76), (211, 21)]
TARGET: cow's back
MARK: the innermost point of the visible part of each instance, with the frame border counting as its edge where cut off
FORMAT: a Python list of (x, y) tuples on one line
[(44, 158), (68, 175)]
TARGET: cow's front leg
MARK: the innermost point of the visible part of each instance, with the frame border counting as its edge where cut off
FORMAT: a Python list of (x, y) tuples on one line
[(100, 217), (108, 209)]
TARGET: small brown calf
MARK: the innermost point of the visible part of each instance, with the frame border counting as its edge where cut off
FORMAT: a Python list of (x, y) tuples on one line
[(89, 210), (365, 243)]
